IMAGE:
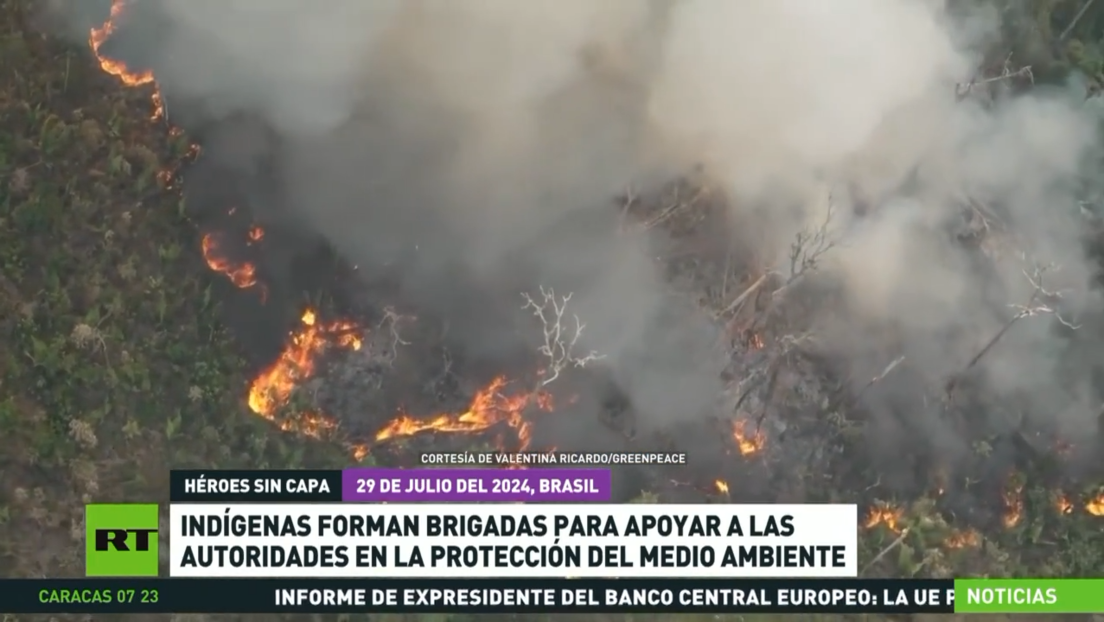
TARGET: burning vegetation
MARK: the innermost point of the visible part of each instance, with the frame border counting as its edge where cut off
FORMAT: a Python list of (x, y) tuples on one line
[(749, 441), (510, 404), (98, 36), (490, 407), (272, 388), (243, 275)]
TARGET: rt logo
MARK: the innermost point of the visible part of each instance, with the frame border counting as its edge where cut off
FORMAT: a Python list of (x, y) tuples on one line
[(121, 540)]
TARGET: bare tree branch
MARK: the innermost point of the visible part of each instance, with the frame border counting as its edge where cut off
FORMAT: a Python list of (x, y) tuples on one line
[(876, 379), (1041, 302), (806, 251), (886, 551), (963, 89), (559, 340), (392, 320), (739, 300), (1076, 18)]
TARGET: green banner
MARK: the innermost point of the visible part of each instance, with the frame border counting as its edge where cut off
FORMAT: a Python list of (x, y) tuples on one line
[(1029, 595)]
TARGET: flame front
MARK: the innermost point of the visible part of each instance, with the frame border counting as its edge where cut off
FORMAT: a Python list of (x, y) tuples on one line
[(243, 275), (1013, 505), (722, 486), (488, 408), (272, 388), (119, 69), (747, 443), (884, 514)]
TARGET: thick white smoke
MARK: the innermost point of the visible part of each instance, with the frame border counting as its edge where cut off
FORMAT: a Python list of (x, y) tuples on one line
[(488, 136)]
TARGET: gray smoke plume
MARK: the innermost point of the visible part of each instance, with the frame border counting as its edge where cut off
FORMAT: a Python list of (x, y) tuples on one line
[(477, 144)]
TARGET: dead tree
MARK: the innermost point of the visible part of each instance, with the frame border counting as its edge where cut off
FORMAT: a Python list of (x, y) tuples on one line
[(560, 340), (1007, 74), (806, 253), (1041, 302)]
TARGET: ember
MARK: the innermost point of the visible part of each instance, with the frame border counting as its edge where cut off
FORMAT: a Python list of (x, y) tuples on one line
[(963, 540), (1013, 505), (884, 514), (1063, 504), (747, 443)]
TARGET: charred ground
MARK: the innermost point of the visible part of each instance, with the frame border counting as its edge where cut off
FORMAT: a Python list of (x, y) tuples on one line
[(138, 340)]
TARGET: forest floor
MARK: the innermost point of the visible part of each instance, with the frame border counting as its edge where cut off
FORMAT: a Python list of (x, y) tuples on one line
[(116, 365)]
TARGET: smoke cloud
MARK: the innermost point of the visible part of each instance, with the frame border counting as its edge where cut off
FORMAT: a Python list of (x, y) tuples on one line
[(477, 144)]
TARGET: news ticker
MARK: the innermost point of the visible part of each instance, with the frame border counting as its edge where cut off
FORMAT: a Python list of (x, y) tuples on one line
[(541, 596)]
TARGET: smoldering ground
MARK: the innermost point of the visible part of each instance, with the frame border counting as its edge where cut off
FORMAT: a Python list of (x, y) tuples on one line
[(469, 152)]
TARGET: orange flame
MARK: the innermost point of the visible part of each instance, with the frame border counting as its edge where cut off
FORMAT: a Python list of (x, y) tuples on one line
[(360, 452), (748, 443), (722, 486), (242, 275), (272, 388), (119, 69), (884, 514), (1013, 506), (488, 408), (963, 540), (1095, 506)]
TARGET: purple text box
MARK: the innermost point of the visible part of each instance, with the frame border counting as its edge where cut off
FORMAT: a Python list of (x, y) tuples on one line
[(475, 485)]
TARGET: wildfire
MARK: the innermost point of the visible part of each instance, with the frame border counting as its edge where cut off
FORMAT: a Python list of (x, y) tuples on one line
[(748, 443), (242, 275), (1095, 506), (158, 106), (884, 514), (310, 424), (272, 388), (1013, 506), (1063, 504), (119, 69), (722, 486), (488, 408), (963, 540)]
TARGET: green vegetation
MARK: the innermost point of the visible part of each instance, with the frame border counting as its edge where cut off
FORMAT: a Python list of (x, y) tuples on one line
[(114, 367)]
